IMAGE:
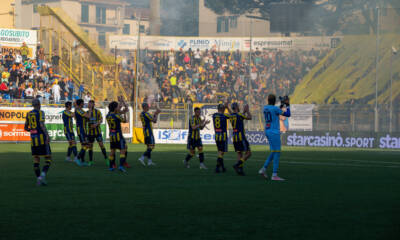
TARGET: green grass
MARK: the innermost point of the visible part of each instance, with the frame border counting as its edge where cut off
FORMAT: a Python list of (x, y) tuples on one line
[(329, 194)]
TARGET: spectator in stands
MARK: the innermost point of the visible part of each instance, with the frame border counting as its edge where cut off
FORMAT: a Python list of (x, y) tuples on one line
[(56, 89), (86, 99), (55, 60), (24, 51), (29, 92), (71, 88)]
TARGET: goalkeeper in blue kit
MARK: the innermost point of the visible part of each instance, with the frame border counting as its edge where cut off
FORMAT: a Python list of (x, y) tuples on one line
[(272, 131)]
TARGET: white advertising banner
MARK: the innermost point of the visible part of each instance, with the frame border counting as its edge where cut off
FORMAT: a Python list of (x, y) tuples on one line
[(18, 36), (301, 117), (12, 40), (123, 42), (162, 43), (178, 136)]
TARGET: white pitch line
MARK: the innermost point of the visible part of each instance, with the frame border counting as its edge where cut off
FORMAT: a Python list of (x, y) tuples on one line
[(321, 163)]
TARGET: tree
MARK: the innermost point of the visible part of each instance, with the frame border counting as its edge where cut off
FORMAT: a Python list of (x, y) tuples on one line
[(329, 16), (245, 6)]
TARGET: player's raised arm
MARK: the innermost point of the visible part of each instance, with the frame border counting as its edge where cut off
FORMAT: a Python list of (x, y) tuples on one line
[(204, 123), (227, 107), (287, 104), (155, 116), (247, 113)]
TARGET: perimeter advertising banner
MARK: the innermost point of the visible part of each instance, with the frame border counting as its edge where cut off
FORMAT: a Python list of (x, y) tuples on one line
[(11, 132), (12, 39), (12, 120), (162, 43), (342, 139)]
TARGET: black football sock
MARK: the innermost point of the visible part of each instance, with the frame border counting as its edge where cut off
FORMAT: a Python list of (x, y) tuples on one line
[(103, 150), (122, 158), (188, 157), (74, 150), (149, 153), (112, 161), (220, 162), (201, 157), (36, 169), (91, 155), (69, 151), (46, 165)]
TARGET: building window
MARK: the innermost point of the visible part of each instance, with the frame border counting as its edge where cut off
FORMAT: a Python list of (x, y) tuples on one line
[(35, 8), (84, 13), (233, 21), (102, 39), (100, 15), (220, 24), (127, 29), (141, 28), (224, 23)]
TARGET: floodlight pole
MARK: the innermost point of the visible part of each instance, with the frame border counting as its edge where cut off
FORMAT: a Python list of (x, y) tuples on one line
[(391, 92), (137, 68), (250, 56), (376, 70), (251, 47)]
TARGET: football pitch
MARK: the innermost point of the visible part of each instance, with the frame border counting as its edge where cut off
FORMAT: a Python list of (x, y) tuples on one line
[(329, 194)]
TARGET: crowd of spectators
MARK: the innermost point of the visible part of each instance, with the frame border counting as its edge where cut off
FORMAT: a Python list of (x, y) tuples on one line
[(23, 77), (210, 76)]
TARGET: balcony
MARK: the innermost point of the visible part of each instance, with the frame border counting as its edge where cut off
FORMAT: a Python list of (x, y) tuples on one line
[(99, 22)]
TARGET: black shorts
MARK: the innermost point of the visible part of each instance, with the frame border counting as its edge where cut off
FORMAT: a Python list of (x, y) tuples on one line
[(83, 138), (98, 138), (242, 146), (222, 146), (70, 136), (149, 140), (41, 150), (121, 144), (194, 143)]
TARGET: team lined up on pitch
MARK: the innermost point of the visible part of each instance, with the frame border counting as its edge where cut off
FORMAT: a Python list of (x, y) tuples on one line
[(88, 131)]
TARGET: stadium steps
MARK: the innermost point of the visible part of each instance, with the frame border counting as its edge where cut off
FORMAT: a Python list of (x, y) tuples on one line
[(348, 72), (78, 32), (112, 86)]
